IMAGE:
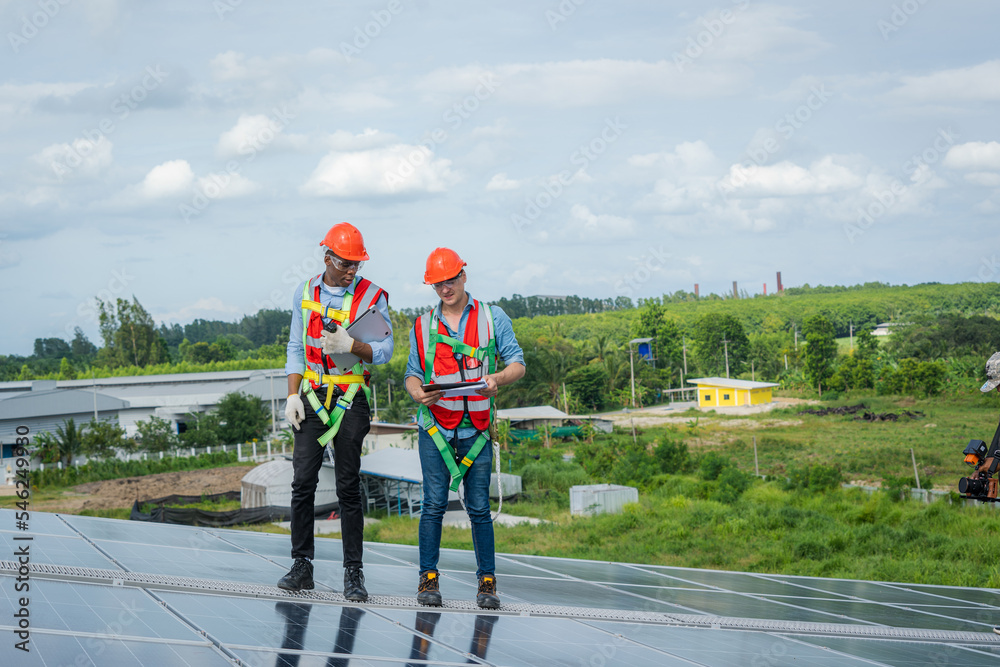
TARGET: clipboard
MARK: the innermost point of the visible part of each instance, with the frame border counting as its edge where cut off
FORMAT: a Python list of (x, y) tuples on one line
[(453, 389), (368, 328)]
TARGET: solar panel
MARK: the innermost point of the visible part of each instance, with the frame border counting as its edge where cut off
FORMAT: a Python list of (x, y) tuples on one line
[(117, 592)]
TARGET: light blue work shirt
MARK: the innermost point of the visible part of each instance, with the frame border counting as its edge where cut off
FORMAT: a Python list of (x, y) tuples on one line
[(295, 358), (507, 349)]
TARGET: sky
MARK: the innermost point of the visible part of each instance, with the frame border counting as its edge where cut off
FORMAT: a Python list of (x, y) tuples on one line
[(193, 154)]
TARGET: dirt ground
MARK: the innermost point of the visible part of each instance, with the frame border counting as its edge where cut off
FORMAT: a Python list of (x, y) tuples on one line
[(659, 416), (116, 493)]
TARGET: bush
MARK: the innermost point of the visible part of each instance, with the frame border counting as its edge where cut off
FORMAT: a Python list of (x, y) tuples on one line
[(712, 464), (731, 485), (672, 456), (814, 478), (96, 471)]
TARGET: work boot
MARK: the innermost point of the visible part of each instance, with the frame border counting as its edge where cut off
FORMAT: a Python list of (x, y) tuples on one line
[(354, 584), (299, 578), (428, 592), (487, 595)]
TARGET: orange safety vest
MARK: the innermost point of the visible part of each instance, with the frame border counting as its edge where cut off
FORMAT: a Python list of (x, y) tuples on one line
[(359, 297), (453, 363)]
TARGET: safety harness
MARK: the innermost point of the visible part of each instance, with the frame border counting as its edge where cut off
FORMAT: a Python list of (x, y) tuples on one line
[(486, 355), (358, 377)]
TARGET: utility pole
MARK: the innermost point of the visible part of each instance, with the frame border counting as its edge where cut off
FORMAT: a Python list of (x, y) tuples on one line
[(684, 350), (93, 379), (631, 368), (725, 345), (796, 339), (852, 335)]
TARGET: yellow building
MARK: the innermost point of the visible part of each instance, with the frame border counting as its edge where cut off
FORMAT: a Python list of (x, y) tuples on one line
[(723, 392)]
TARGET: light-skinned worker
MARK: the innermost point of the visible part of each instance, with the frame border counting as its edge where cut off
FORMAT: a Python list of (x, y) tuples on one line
[(459, 340)]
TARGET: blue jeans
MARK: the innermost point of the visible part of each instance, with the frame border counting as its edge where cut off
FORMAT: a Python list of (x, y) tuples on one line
[(476, 497)]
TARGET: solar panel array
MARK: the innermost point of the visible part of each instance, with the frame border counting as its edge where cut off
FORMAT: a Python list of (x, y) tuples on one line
[(109, 592)]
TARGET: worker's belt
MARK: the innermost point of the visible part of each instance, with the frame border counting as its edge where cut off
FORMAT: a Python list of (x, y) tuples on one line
[(456, 468), (331, 417)]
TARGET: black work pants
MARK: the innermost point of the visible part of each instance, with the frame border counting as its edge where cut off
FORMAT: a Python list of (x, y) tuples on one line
[(306, 462)]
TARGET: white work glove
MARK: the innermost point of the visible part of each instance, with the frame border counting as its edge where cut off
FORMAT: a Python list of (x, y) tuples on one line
[(295, 412), (337, 342)]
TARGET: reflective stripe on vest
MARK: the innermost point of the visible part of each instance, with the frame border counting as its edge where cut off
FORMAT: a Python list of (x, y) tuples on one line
[(359, 297), (476, 352)]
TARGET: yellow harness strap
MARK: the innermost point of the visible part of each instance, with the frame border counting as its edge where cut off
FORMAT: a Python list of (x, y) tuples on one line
[(330, 313)]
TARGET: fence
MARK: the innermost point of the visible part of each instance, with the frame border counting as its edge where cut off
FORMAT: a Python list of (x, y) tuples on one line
[(245, 451)]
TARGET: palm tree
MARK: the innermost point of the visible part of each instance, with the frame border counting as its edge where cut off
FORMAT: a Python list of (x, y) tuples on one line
[(66, 443)]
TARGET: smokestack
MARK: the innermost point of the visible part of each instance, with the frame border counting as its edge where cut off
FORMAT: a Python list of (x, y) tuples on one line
[(765, 289), (781, 288), (736, 292), (696, 290)]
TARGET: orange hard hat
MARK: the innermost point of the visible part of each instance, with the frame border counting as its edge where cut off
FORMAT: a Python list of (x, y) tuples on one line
[(346, 242), (442, 264)]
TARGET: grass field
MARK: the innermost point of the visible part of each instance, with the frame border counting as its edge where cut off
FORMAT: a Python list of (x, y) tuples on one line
[(693, 519)]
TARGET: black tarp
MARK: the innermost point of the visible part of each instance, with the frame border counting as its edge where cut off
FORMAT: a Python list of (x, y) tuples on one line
[(163, 513)]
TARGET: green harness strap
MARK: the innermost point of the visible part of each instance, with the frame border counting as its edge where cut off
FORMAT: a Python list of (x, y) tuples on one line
[(333, 417), (456, 469), (332, 420)]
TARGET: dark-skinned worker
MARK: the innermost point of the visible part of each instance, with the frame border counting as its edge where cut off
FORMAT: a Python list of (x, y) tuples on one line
[(327, 403), (459, 340)]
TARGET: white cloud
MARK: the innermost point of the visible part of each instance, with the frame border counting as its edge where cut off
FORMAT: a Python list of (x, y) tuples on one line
[(342, 140), (20, 98), (974, 155), (501, 182), (686, 176), (760, 31), (973, 84), (253, 133), (599, 227), (526, 276), (984, 178), (582, 82), (82, 158), (169, 179), (226, 186), (207, 308), (399, 169), (786, 179)]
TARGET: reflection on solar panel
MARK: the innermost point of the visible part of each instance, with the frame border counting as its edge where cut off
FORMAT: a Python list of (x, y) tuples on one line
[(106, 592)]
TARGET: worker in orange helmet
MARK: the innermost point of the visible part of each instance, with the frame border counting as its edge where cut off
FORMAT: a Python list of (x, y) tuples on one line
[(459, 340), (328, 399)]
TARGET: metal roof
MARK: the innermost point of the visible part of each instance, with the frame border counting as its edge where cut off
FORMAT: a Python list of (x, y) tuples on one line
[(393, 463), (732, 384), (534, 412), (182, 391), (56, 402)]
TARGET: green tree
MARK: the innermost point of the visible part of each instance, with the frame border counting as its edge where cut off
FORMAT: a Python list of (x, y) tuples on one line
[(81, 346), (714, 334), (655, 323), (588, 384), (821, 350), (866, 345), (63, 445), (155, 435), (104, 439), (201, 430), (130, 335), (66, 370), (242, 418)]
